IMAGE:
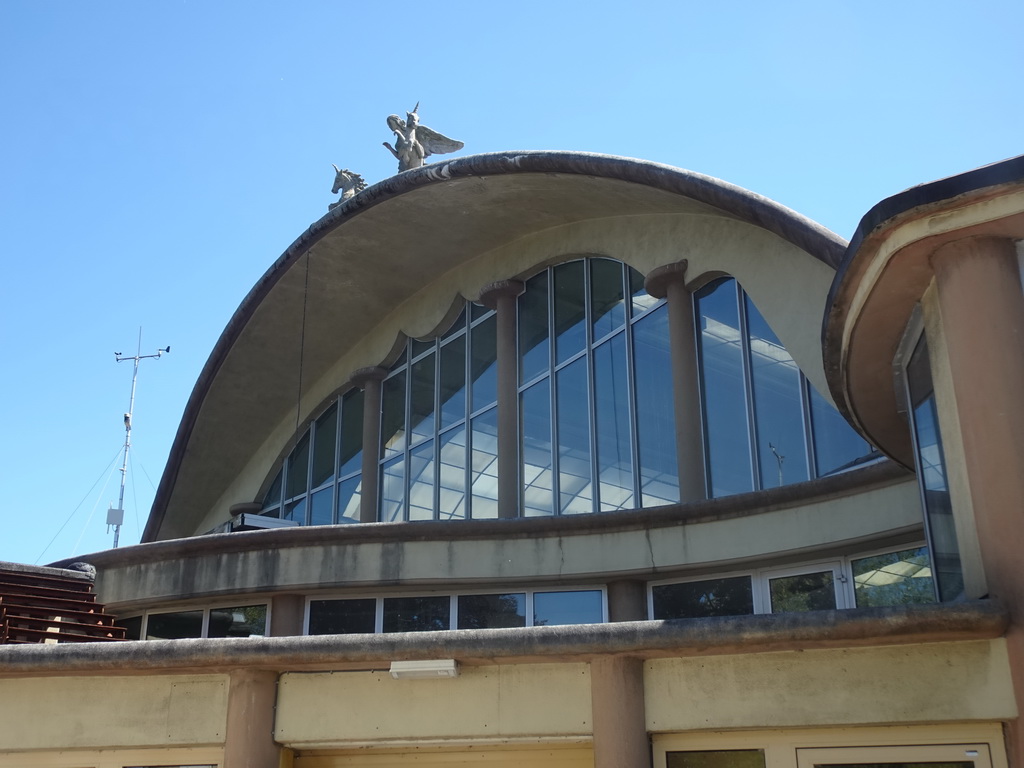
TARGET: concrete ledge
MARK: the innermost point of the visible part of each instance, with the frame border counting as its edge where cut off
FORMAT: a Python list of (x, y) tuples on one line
[(745, 504), (900, 625)]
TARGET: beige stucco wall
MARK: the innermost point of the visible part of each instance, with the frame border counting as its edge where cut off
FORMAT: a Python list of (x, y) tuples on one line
[(500, 702), (859, 686), (788, 286), (93, 712), (340, 561)]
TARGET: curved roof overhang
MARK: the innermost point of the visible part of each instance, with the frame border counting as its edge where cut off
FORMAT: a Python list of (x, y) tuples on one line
[(883, 276), (378, 249)]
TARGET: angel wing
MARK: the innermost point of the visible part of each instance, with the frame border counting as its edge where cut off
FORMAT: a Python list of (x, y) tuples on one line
[(434, 143)]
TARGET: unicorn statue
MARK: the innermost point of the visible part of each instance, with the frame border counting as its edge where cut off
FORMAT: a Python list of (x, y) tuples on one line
[(346, 182)]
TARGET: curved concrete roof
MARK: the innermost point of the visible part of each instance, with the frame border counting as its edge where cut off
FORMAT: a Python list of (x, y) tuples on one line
[(378, 249), (884, 274)]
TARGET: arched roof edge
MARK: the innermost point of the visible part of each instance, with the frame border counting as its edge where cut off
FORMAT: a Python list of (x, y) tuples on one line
[(747, 206)]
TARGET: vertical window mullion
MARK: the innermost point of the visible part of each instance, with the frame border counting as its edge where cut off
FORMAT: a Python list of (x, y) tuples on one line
[(805, 409), (467, 365), (556, 489), (378, 616), (337, 462), (595, 485), (748, 389), (406, 455), (436, 430), (634, 430)]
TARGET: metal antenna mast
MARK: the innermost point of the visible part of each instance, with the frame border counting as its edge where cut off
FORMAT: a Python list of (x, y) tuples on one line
[(115, 517)]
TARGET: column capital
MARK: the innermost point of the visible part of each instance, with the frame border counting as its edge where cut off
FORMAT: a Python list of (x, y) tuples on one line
[(363, 376), (967, 247), (657, 281), (493, 291)]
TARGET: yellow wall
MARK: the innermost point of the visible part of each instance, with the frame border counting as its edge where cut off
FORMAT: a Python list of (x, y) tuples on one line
[(92, 712), (896, 684), (482, 703)]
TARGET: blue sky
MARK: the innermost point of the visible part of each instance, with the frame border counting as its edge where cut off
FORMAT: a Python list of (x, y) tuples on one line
[(158, 156)]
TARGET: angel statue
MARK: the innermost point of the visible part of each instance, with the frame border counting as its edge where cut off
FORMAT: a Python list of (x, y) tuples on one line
[(348, 183), (415, 142)]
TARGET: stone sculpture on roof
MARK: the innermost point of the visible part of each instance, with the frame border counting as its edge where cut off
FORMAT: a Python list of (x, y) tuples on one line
[(348, 183), (415, 142)]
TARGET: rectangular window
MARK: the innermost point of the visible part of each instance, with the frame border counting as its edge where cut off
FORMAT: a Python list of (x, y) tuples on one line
[(732, 758), (342, 617), (417, 614), (731, 596), (243, 621), (574, 607), (492, 611), (894, 578)]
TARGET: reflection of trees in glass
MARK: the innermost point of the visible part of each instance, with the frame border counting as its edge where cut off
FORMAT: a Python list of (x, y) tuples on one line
[(416, 614), (492, 611), (895, 578), (806, 592), (712, 597)]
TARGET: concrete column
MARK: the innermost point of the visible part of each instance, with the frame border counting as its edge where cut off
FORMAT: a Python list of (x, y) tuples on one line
[(620, 723), (669, 282), (501, 297), (369, 379), (982, 314), (286, 615), (627, 600), (249, 737)]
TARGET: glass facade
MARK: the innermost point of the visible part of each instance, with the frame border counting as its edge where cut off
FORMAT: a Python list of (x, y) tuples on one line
[(931, 475), (595, 410), (594, 388), (424, 613), (764, 425)]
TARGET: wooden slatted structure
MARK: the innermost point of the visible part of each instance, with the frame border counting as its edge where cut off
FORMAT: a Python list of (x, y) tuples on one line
[(50, 605)]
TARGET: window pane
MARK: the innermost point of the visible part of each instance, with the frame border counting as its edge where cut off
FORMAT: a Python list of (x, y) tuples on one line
[(417, 614), (324, 435), (607, 304), (806, 592), (244, 621), (422, 408), (535, 417), (727, 439), (492, 611), (485, 466), (836, 445), (392, 490), (321, 507), (174, 626), (931, 475), (351, 432), (476, 311), (574, 476), (298, 466), (349, 493), (733, 596), (614, 455), (578, 607), (457, 326), (733, 758), (533, 328), (417, 347), (642, 300), (780, 421), (453, 382), (570, 311), (452, 475), (273, 497), (342, 617), (132, 627), (483, 363), (656, 434), (895, 578), (296, 511), (392, 419), (421, 482)]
